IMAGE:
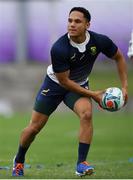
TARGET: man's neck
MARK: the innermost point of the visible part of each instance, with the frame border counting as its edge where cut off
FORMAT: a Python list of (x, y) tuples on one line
[(79, 39)]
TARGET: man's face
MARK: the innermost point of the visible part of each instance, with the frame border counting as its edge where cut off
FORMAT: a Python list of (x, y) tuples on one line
[(77, 24)]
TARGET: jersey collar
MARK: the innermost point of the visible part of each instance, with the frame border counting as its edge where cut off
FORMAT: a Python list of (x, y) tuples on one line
[(81, 46)]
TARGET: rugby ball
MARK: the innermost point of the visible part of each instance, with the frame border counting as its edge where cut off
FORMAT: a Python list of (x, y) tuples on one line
[(112, 99)]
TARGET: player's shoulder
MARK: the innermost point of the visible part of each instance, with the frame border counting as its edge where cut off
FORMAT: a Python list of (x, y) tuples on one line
[(98, 36), (101, 40), (61, 44)]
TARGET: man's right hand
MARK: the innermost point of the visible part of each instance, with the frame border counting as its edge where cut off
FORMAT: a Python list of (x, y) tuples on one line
[(97, 96)]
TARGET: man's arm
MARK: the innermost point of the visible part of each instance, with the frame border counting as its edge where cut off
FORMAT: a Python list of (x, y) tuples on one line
[(122, 70), (67, 83)]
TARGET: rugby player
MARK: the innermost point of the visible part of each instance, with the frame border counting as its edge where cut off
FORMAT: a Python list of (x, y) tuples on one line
[(73, 56)]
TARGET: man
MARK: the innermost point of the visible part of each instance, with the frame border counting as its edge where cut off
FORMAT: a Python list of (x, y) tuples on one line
[(130, 48), (73, 56)]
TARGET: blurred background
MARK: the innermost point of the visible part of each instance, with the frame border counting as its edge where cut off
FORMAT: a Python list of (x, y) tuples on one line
[(28, 28)]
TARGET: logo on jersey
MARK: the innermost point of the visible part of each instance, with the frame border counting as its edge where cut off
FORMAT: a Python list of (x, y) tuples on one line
[(82, 57), (73, 58), (93, 50), (45, 91)]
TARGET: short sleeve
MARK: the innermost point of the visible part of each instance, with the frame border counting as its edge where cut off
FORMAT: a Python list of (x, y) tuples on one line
[(108, 47), (59, 58)]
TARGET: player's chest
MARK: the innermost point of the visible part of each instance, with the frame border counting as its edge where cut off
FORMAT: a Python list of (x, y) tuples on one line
[(89, 54)]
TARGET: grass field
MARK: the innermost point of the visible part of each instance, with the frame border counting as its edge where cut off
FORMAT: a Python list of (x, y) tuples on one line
[(102, 79), (53, 155)]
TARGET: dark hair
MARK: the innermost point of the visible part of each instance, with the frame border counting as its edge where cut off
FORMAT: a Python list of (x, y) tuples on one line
[(82, 10)]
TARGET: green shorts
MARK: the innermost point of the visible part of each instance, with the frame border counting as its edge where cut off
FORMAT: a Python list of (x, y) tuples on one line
[(52, 94)]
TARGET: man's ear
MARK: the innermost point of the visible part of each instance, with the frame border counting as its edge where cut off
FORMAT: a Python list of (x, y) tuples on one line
[(87, 25)]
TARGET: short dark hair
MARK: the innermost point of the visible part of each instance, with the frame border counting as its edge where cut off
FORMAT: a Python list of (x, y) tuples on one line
[(82, 10)]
